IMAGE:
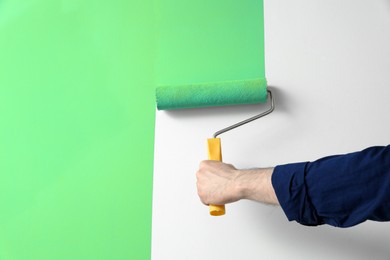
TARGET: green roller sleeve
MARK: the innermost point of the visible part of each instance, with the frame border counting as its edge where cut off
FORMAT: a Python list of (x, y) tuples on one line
[(211, 94)]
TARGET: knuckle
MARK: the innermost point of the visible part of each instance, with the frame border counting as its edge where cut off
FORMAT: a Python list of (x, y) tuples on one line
[(204, 164), (203, 200), (201, 164), (201, 195), (198, 174)]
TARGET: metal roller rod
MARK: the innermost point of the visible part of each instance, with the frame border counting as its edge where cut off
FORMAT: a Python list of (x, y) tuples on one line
[(249, 119)]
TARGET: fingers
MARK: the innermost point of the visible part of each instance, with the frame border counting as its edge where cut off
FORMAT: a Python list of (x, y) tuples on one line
[(214, 181), (200, 182), (202, 194)]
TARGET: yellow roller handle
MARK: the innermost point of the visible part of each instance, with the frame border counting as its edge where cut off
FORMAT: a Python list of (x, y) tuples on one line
[(215, 153)]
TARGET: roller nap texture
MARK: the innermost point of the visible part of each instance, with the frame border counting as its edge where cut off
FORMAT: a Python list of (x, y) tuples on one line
[(211, 94)]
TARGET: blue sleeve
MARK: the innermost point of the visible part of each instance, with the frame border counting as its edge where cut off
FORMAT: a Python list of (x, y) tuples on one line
[(340, 190)]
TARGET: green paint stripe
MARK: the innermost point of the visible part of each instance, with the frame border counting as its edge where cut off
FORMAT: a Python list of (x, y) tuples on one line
[(76, 130)]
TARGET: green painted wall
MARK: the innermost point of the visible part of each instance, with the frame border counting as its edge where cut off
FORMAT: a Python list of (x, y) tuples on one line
[(77, 113), (76, 129)]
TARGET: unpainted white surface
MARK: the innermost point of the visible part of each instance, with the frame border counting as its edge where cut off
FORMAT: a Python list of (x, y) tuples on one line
[(328, 64)]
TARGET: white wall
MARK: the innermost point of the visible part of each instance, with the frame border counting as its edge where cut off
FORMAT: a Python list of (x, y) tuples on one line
[(328, 64)]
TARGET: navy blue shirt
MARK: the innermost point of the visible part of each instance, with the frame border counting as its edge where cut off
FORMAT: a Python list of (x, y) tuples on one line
[(340, 190)]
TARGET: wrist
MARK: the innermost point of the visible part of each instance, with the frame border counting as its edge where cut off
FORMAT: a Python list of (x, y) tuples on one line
[(256, 184)]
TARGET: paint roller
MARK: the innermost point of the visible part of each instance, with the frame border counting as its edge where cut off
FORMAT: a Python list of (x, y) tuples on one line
[(239, 92)]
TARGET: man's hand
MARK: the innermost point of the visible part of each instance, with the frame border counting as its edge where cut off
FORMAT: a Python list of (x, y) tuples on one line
[(220, 183)]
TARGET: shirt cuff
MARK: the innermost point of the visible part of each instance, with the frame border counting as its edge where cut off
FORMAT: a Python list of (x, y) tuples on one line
[(290, 188)]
